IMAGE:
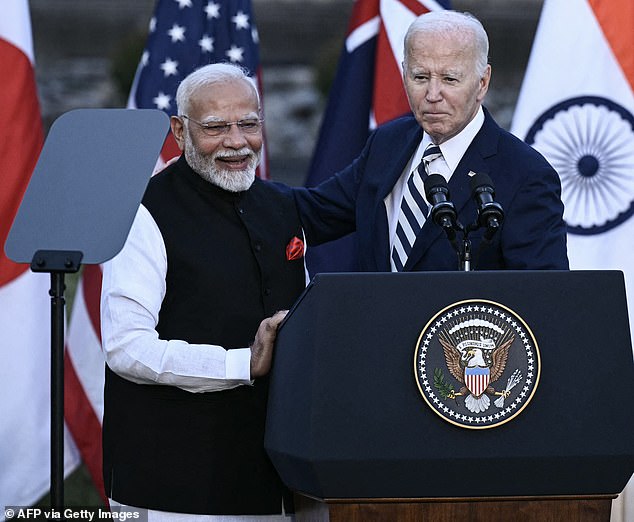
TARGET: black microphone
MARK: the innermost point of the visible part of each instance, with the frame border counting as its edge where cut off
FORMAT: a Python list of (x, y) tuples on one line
[(490, 212), (443, 212)]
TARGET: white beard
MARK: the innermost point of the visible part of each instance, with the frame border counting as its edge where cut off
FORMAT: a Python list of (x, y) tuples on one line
[(229, 180)]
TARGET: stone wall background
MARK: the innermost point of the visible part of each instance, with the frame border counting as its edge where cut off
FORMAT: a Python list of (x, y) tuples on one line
[(78, 42)]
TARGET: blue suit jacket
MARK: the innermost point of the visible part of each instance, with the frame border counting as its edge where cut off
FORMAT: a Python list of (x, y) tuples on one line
[(533, 234)]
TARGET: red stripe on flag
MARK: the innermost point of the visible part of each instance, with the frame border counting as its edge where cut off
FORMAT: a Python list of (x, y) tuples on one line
[(91, 281), (363, 11), (21, 139), (389, 100), (616, 18), (83, 425), (414, 6), (170, 148)]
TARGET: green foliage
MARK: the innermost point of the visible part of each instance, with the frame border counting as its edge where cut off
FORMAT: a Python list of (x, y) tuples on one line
[(78, 491), (444, 388)]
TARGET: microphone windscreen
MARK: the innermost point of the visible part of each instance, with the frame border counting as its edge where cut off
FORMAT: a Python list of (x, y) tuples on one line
[(481, 180), (432, 182)]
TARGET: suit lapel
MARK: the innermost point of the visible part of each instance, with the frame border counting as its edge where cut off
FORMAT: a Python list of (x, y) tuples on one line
[(412, 138)]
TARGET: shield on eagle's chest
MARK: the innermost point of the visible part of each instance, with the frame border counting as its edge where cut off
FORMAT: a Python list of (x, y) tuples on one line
[(477, 379)]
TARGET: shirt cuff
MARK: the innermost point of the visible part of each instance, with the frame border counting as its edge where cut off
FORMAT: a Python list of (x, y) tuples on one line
[(238, 364)]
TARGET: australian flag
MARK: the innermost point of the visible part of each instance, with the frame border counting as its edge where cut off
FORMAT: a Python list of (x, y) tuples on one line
[(367, 91), (185, 35)]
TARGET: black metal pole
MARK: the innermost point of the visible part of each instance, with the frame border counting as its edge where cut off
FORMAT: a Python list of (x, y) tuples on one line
[(57, 263), (57, 389), (465, 264)]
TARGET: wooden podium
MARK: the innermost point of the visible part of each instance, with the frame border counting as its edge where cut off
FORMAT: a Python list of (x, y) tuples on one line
[(350, 433), (518, 509)]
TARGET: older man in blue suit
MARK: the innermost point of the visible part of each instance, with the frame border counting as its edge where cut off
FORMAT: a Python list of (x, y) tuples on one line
[(446, 76)]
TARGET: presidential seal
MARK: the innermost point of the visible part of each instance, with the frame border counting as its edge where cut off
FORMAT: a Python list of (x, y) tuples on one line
[(477, 364)]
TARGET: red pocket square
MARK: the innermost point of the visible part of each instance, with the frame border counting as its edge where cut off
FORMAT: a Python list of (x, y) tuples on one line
[(295, 249)]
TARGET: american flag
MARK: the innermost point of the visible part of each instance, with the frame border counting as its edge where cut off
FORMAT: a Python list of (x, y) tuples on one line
[(183, 35), (367, 92)]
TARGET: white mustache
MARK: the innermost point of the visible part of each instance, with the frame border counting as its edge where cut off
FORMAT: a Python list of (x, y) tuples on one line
[(234, 153)]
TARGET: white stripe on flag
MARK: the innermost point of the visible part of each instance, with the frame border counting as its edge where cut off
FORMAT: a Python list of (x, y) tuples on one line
[(84, 348), (12, 28), (25, 391), (363, 33), (397, 19)]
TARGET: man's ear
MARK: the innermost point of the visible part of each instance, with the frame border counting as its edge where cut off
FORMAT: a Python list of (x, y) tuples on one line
[(484, 83), (176, 125)]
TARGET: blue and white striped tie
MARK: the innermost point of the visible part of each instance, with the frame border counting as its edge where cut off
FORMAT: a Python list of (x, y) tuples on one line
[(414, 209)]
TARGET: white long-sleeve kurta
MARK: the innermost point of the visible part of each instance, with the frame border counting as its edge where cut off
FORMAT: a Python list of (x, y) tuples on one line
[(133, 288)]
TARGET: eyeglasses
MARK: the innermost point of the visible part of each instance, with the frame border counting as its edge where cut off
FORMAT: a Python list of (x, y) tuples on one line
[(220, 128)]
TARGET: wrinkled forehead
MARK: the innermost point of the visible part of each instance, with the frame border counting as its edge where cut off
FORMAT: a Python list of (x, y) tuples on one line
[(438, 40), (442, 52), (438, 31)]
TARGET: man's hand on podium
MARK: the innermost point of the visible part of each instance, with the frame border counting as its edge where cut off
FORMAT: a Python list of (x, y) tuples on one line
[(262, 348)]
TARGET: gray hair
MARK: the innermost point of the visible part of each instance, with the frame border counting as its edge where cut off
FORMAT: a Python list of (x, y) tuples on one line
[(209, 75), (446, 21)]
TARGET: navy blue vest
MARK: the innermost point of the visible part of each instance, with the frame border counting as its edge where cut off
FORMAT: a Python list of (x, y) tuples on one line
[(172, 450)]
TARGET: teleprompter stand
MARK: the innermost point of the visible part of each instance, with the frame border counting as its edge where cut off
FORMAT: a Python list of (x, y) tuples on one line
[(349, 431), (78, 208), (57, 263)]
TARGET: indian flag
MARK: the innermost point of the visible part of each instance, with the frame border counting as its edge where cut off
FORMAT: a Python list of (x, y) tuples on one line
[(576, 107)]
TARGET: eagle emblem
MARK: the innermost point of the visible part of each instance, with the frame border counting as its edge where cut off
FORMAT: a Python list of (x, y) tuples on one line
[(477, 364)]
